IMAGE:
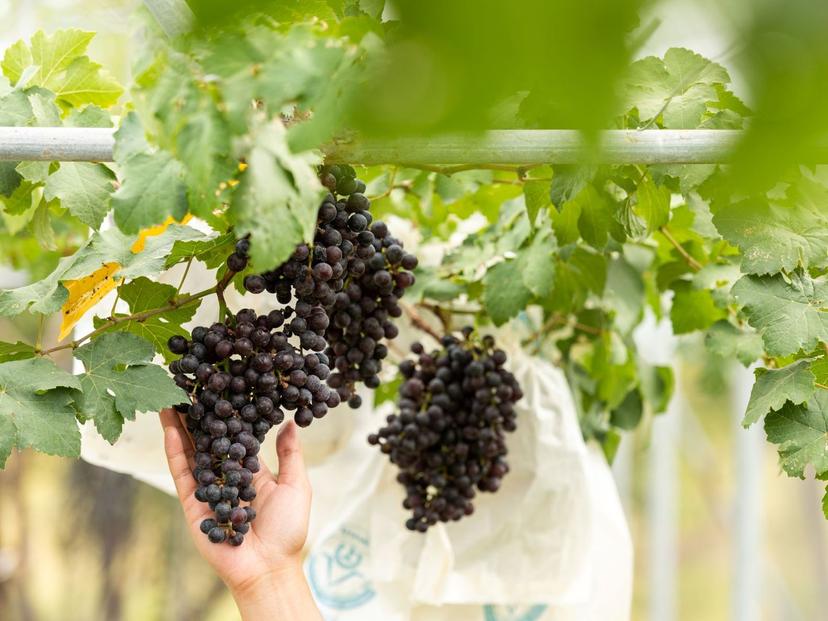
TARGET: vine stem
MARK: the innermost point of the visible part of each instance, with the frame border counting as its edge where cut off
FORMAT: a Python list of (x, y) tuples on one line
[(437, 309), (695, 265), (184, 277), (391, 187), (557, 321), (418, 322), (115, 303)]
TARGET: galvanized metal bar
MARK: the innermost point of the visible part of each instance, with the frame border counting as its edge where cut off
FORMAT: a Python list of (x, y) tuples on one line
[(499, 147)]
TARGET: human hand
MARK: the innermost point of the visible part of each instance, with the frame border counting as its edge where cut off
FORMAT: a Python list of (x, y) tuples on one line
[(266, 568)]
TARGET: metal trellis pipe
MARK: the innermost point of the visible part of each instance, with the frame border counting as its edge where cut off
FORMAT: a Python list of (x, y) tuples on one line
[(498, 147)]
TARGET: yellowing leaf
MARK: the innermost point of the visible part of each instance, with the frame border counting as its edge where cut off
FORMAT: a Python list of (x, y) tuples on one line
[(86, 292)]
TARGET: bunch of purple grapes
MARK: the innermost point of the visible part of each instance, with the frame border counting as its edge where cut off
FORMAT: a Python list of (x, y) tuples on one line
[(242, 375), (448, 439), (338, 297), (356, 272)]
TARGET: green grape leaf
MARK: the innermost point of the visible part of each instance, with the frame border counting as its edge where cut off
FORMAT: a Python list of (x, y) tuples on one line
[(819, 367), (624, 294), (537, 264), (36, 408), (790, 315), (726, 340), (801, 431), (567, 182), (89, 116), (657, 385), (10, 181), (387, 391), (773, 388), (774, 238), (536, 197), (15, 351), (565, 223), (86, 82), (142, 295), (153, 189), (628, 413), (62, 67), (53, 54), (129, 139), (15, 109), (120, 381), (36, 172), (653, 206), (45, 110), (212, 252), (596, 216), (45, 296), (678, 88), (24, 198), (613, 369), (82, 188), (42, 227), (278, 198), (581, 273), (693, 309), (204, 143), (16, 60), (504, 294), (429, 284)]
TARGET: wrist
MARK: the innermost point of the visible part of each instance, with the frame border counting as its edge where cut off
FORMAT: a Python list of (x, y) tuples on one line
[(281, 593), (287, 572)]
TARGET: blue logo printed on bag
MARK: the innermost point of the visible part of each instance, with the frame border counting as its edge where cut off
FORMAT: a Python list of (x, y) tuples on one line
[(335, 571), (513, 613)]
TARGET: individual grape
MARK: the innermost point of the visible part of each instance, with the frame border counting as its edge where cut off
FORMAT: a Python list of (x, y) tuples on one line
[(236, 262), (254, 283), (177, 345), (217, 534), (238, 516)]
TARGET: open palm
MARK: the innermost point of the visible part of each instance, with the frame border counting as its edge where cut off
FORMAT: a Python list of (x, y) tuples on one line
[(282, 506)]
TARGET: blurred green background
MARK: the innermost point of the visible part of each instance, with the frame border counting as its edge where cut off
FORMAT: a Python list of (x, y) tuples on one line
[(82, 543)]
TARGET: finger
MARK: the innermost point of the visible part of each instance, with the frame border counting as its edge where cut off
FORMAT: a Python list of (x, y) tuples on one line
[(291, 461), (176, 447), (264, 474)]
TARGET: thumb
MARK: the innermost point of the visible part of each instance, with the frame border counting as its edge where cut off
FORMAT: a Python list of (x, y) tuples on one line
[(291, 461)]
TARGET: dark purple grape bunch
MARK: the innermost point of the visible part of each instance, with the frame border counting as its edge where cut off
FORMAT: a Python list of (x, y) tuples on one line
[(356, 272), (241, 376), (448, 440), (362, 313)]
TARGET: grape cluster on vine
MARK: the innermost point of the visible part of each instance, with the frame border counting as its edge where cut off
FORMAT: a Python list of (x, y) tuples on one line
[(356, 271), (448, 439)]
